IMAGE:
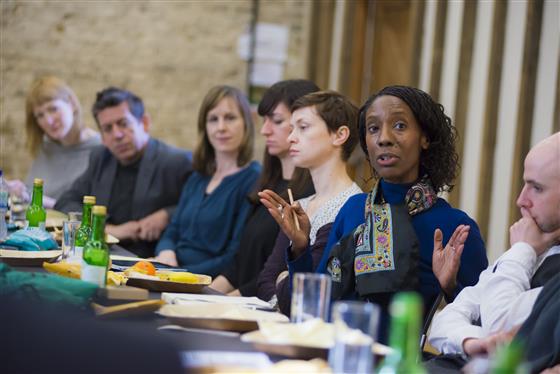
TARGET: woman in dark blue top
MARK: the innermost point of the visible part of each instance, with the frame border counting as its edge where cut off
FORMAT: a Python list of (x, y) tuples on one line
[(392, 238), (279, 173), (206, 227)]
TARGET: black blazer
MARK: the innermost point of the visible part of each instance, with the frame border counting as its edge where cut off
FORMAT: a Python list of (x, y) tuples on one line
[(162, 173)]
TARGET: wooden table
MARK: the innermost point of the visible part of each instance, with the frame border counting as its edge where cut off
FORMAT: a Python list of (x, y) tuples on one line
[(184, 340)]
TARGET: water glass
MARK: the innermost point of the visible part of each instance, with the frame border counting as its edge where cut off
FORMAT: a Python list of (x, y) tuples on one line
[(75, 216), (69, 229), (355, 325), (18, 208), (311, 297)]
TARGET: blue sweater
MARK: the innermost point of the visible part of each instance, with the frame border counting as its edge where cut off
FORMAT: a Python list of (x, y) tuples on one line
[(441, 215), (205, 229)]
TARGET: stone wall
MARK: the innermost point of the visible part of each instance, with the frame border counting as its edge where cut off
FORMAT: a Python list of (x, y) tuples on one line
[(168, 52)]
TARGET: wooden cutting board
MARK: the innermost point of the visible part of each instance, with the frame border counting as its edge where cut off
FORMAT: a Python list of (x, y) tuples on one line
[(126, 310)]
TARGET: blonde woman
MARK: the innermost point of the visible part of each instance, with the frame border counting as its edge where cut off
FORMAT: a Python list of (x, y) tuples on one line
[(57, 138)]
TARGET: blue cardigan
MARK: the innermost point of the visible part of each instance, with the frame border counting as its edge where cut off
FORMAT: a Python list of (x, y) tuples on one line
[(205, 229), (441, 215)]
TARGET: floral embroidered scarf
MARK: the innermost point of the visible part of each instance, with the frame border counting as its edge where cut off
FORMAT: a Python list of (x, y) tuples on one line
[(381, 255), (374, 238)]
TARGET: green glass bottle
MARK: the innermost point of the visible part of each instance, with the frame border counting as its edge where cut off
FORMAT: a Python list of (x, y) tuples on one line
[(404, 335), (95, 260), (36, 214), (84, 231), (509, 359)]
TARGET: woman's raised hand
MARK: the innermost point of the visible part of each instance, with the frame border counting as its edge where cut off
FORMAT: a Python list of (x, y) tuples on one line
[(285, 214), (446, 261)]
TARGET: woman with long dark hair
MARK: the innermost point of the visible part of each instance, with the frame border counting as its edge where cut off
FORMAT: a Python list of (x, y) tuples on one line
[(279, 173)]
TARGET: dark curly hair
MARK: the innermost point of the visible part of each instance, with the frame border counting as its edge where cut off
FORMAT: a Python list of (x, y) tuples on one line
[(440, 161)]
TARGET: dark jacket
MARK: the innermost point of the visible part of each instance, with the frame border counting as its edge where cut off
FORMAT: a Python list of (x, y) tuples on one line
[(540, 333), (162, 172)]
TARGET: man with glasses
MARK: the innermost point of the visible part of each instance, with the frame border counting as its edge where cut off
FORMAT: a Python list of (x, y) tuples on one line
[(137, 177)]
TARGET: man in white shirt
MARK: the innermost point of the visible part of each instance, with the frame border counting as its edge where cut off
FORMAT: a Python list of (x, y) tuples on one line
[(491, 311)]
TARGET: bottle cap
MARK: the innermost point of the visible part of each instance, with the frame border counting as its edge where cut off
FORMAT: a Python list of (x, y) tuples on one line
[(38, 182), (89, 199), (99, 210)]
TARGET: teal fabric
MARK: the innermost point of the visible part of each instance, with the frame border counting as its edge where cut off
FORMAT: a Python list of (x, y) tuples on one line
[(43, 286), (31, 239)]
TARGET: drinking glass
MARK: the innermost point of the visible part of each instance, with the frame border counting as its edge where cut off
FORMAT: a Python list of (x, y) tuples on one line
[(355, 325), (69, 229), (75, 216), (311, 296), (18, 208)]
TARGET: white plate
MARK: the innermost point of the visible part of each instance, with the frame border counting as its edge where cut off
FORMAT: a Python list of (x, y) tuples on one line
[(27, 258), (218, 316), (310, 339)]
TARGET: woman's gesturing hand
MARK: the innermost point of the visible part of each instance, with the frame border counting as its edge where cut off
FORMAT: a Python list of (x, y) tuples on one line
[(446, 261), (285, 214)]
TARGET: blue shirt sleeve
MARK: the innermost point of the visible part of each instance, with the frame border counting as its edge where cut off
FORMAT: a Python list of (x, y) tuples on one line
[(473, 259), (350, 216), (171, 234), (214, 265)]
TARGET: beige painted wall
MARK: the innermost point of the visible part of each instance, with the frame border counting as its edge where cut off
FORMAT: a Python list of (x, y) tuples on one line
[(168, 52)]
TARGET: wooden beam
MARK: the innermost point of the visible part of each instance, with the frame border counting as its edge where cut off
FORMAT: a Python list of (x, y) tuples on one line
[(353, 56), (526, 105), (417, 19), (463, 85), (437, 56), (488, 150), (318, 66), (368, 58)]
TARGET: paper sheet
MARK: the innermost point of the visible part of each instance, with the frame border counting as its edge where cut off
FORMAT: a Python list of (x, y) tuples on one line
[(185, 298), (255, 360)]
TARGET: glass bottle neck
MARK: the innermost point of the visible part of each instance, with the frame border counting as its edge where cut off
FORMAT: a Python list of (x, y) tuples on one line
[(98, 229), (86, 215), (37, 198)]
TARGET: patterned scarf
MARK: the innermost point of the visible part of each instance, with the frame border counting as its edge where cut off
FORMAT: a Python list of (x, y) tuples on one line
[(374, 238)]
